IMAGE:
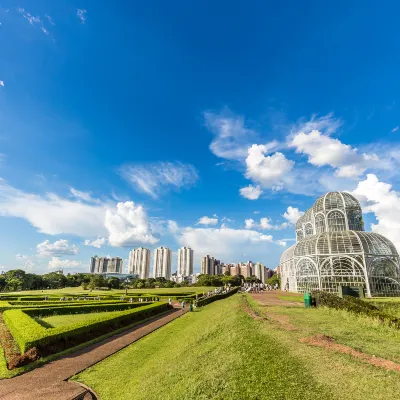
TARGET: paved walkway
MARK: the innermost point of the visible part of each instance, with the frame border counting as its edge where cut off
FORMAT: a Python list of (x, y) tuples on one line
[(49, 382)]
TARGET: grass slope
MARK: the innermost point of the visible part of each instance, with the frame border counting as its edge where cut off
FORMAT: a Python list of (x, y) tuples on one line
[(218, 352)]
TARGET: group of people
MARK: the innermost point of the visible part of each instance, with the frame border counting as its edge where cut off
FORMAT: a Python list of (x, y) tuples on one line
[(258, 287)]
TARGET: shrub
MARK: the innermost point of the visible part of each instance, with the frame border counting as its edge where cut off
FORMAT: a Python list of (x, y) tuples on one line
[(24, 359), (353, 305), (208, 300), (28, 333), (80, 309)]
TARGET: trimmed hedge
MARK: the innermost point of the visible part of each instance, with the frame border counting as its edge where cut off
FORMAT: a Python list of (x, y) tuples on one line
[(14, 305), (80, 309), (208, 300), (28, 333), (353, 305)]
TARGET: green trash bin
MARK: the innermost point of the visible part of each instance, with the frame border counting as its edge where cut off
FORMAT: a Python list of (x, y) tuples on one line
[(307, 300)]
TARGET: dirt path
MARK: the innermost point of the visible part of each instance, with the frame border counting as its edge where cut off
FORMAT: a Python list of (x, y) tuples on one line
[(275, 298), (49, 382)]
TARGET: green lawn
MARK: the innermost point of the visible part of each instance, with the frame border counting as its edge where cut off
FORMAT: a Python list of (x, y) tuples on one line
[(61, 320), (219, 352)]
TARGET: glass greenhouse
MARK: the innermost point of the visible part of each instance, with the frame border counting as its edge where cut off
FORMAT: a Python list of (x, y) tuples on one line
[(332, 249)]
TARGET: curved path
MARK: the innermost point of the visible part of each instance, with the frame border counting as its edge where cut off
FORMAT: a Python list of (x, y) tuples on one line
[(49, 382)]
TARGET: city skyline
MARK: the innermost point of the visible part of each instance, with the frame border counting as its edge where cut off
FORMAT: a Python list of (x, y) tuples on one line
[(215, 139)]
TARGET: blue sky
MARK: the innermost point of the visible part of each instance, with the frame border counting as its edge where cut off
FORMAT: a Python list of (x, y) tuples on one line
[(158, 123)]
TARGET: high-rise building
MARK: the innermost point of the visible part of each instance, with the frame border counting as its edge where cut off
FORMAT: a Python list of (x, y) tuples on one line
[(207, 265), (235, 270), (162, 262), (245, 269), (261, 272), (139, 262), (185, 261), (102, 265), (217, 267)]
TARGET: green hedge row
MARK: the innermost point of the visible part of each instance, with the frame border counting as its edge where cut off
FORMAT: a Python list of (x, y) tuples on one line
[(28, 333), (208, 300), (11, 305), (80, 309), (353, 305)]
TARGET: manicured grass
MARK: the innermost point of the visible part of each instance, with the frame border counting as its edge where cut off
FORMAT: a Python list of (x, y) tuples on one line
[(218, 352), (62, 320)]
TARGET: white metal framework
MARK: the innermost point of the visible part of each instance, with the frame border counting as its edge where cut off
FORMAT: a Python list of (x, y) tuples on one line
[(332, 249)]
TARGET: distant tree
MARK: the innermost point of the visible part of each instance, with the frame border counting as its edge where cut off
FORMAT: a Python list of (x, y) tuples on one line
[(15, 279), (97, 281), (274, 279), (227, 273), (139, 285), (2, 283), (113, 283), (55, 280)]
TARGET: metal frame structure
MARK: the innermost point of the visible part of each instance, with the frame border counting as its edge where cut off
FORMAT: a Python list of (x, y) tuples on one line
[(332, 249)]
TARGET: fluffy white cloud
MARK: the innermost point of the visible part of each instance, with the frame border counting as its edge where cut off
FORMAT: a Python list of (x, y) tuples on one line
[(125, 224), (58, 248), (268, 171), (232, 138), (265, 224), (56, 262), (2, 83), (98, 243), (208, 221), (52, 214), (395, 129), (292, 214), (157, 178), (313, 139), (251, 192), (384, 202), (229, 245), (128, 226)]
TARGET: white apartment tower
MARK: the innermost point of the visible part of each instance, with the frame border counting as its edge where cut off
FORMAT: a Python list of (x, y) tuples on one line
[(139, 262), (162, 262), (185, 261), (207, 265)]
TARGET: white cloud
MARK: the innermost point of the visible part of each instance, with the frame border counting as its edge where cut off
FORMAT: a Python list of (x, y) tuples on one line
[(384, 202), (52, 214), (81, 14), (232, 138), (395, 129), (128, 226), (98, 243), (28, 263), (124, 224), (292, 214), (35, 21), (156, 178), (256, 212), (265, 224), (229, 245), (56, 263), (2, 83), (268, 171), (313, 139), (84, 196), (251, 192), (58, 248), (208, 221)]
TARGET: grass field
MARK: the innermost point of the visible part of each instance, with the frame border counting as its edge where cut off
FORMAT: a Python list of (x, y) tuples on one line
[(220, 352), (61, 320)]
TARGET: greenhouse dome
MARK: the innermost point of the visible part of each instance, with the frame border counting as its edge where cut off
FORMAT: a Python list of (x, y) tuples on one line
[(332, 249)]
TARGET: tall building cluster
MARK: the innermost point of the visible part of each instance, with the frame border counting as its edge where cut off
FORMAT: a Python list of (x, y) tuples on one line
[(139, 265), (101, 265)]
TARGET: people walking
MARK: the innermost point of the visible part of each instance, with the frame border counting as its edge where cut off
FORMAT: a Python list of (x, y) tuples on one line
[(183, 304)]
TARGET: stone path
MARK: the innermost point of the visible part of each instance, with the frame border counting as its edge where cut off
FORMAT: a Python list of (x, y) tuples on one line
[(49, 382)]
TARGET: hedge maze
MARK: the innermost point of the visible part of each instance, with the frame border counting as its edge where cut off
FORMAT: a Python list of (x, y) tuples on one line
[(26, 337)]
